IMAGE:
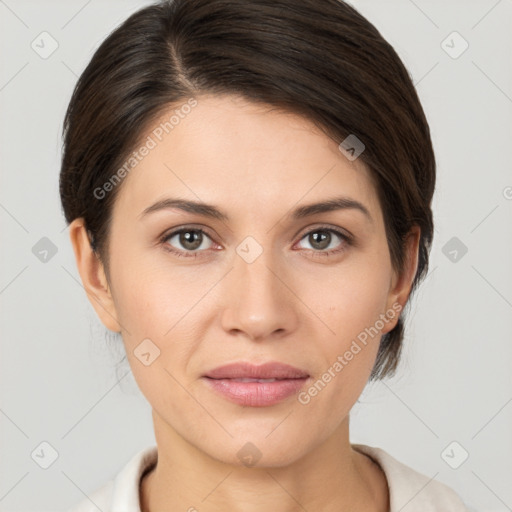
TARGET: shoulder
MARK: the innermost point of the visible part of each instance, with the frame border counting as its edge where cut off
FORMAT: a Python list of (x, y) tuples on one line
[(409, 487), (122, 492)]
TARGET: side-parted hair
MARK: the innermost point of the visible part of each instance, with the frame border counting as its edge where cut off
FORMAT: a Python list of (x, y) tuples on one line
[(317, 58)]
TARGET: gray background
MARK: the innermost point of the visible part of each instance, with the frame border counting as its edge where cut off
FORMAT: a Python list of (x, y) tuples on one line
[(58, 369)]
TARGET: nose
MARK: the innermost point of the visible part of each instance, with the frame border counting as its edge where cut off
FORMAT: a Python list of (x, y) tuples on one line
[(260, 302)]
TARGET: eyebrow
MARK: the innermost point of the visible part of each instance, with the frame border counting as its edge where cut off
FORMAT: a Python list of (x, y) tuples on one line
[(211, 211)]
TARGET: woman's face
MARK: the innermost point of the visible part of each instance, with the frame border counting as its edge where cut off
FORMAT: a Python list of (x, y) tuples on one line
[(260, 285)]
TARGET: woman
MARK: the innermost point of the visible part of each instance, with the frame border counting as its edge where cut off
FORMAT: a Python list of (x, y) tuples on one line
[(248, 186)]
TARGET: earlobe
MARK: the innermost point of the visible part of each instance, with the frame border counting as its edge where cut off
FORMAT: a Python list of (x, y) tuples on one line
[(93, 275)]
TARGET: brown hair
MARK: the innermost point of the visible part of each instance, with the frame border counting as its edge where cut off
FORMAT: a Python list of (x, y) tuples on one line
[(317, 58)]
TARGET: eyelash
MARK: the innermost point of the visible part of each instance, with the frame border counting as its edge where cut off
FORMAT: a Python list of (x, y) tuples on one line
[(194, 254)]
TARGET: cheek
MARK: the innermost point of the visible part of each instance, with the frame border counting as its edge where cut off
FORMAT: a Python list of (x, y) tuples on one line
[(162, 303), (153, 307), (352, 305), (351, 297), (152, 295)]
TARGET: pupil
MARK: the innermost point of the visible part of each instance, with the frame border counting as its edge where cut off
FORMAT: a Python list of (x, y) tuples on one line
[(324, 236), (190, 239)]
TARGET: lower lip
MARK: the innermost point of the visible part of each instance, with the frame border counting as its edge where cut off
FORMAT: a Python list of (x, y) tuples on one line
[(256, 394)]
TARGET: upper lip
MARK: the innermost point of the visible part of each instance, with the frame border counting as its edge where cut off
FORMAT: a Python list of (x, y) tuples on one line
[(270, 370)]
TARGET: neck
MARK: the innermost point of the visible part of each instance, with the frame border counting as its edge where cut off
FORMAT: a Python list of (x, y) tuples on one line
[(332, 477)]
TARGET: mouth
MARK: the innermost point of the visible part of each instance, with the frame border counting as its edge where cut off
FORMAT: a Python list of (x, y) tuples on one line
[(256, 392), (256, 386)]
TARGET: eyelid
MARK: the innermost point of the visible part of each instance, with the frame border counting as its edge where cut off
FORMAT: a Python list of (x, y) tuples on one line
[(192, 227), (327, 227)]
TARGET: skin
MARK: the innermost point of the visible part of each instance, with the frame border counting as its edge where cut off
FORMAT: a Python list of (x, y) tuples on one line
[(291, 304)]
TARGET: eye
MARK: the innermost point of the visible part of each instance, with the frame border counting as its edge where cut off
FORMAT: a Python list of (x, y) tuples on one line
[(191, 240), (321, 240)]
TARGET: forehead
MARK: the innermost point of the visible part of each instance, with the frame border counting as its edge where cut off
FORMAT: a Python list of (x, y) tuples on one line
[(251, 158)]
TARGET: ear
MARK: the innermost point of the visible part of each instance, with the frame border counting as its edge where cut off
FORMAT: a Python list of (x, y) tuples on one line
[(401, 285), (93, 275)]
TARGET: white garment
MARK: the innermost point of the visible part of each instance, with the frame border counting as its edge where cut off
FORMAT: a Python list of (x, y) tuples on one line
[(409, 491)]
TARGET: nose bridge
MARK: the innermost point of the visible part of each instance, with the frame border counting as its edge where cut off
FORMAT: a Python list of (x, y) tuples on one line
[(256, 275), (253, 274), (259, 303)]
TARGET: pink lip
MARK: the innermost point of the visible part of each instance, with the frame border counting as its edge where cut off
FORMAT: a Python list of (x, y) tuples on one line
[(270, 370), (256, 394)]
